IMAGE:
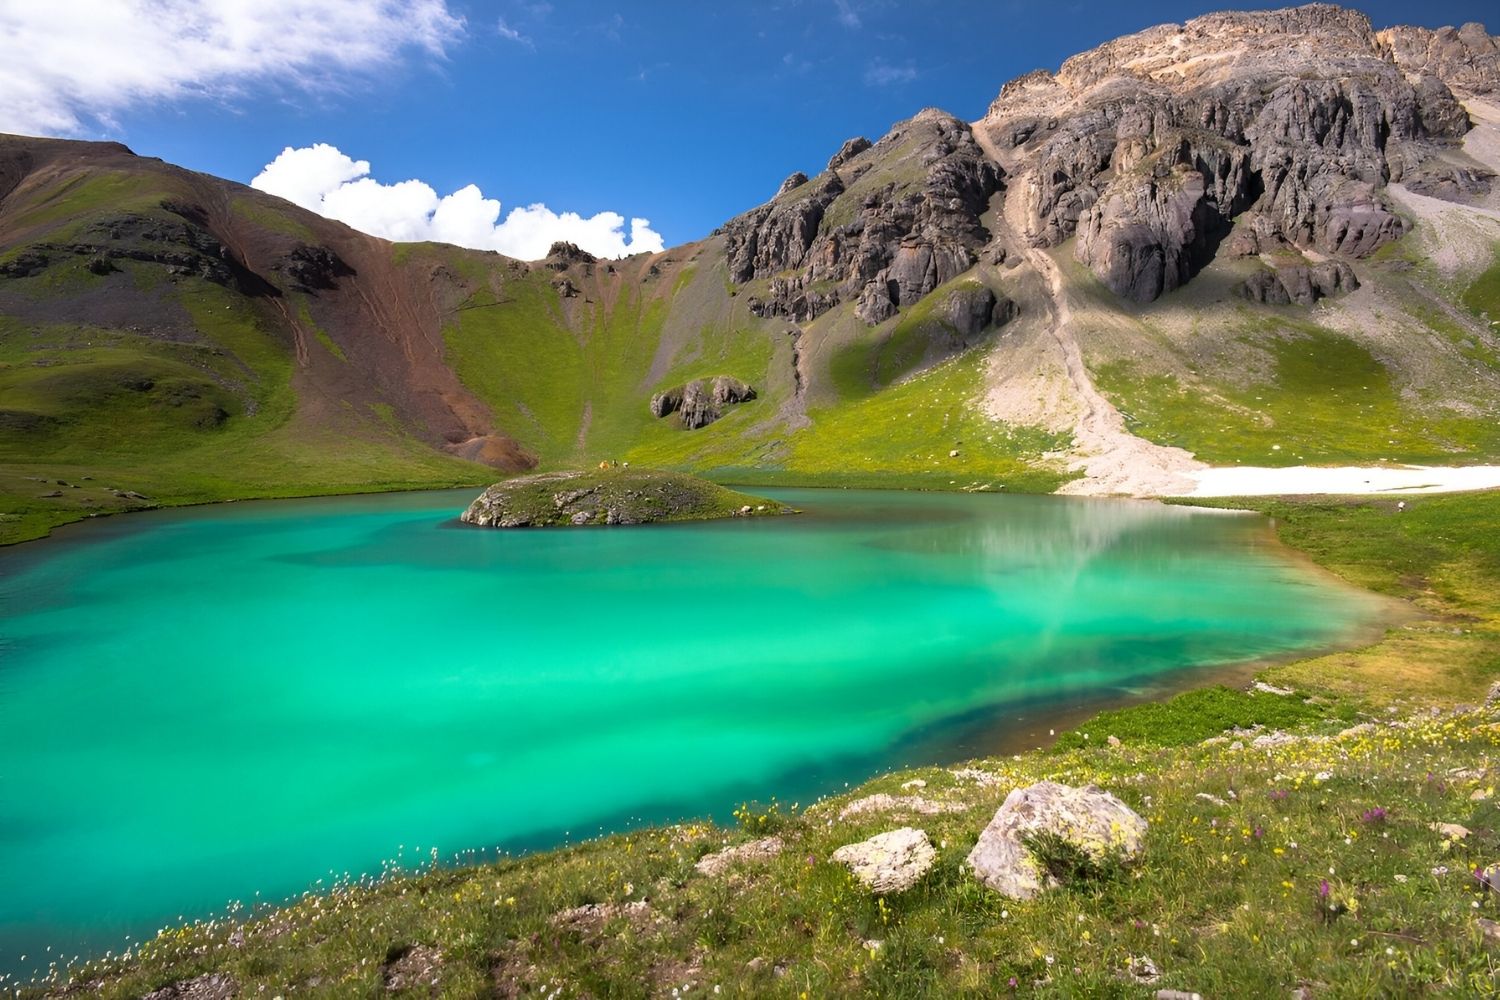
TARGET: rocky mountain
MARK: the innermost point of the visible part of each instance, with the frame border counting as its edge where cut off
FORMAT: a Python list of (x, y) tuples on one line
[(1260, 238), (1289, 124)]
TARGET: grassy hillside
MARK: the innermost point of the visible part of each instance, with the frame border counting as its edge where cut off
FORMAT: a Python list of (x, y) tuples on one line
[(1406, 369), (155, 350), (92, 414), (169, 338), (1310, 862)]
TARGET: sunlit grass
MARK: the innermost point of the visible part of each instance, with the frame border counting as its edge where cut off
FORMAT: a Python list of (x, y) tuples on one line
[(1327, 401)]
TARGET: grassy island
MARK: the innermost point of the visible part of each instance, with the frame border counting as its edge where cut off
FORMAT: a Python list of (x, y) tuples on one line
[(611, 495)]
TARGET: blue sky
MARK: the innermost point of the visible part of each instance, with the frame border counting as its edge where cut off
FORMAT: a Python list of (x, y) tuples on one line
[(683, 113)]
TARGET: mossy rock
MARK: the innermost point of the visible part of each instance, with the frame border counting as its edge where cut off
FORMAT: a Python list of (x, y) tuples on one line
[(610, 496)]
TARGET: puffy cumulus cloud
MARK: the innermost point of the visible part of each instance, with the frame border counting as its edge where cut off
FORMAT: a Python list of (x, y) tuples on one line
[(68, 66), (323, 179)]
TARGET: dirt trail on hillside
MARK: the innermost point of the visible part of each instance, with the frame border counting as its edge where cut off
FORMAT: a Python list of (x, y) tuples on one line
[(1112, 459)]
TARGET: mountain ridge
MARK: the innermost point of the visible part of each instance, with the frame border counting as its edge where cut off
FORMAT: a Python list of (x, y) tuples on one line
[(1107, 281)]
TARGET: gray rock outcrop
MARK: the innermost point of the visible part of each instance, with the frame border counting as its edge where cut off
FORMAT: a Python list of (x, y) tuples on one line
[(719, 862), (882, 237), (1088, 818), (701, 401), (848, 151), (792, 183), (882, 802), (183, 246), (1161, 220), (972, 309), (313, 268), (1467, 59), (563, 255), (889, 862), (1300, 285), (208, 986)]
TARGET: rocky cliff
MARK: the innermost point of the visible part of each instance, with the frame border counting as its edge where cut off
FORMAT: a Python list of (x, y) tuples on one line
[(884, 225), (1146, 149), (1292, 122)]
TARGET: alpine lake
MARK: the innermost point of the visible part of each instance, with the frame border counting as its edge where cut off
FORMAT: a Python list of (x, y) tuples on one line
[(242, 702)]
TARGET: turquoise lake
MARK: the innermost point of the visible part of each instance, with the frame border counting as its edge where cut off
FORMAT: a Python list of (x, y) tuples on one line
[(201, 705)]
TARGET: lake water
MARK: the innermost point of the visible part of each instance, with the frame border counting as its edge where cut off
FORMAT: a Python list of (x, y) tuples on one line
[(199, 705)]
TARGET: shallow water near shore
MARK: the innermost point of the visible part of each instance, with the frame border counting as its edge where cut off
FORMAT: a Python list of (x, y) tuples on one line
[(209, 704)]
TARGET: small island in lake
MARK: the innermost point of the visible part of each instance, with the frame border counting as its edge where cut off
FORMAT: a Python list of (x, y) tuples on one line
[(614, 495)]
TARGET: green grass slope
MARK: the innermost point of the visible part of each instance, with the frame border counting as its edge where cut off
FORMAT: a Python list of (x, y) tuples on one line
[(141, 366), (1406, 369)]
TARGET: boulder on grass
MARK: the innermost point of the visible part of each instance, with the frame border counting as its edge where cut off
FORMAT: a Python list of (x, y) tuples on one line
[(1091, 819), (889, 862)]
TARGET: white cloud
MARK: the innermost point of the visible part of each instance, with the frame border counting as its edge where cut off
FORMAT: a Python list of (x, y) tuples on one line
[(67, 67), (513, 34), (883, 74), (323, 179), (847, 15)]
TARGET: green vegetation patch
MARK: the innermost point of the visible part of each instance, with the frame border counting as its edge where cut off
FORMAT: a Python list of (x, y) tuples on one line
[(76, 201), (252, 208), (1482, 297), (515, 353), (1194, 716), (1328, 401), (885, 355), (911, 429), (569, 391), (97, 421), (1439, 553)]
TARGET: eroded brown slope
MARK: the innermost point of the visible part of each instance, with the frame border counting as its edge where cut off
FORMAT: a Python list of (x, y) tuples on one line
[(305, 275)]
